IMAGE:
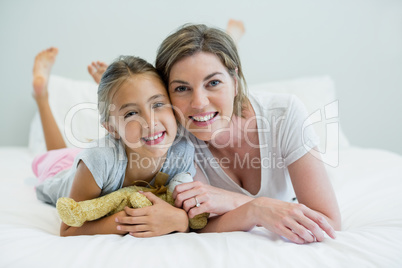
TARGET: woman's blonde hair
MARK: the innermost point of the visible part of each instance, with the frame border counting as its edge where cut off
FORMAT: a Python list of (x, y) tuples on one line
[(115, 75), (190, 39)]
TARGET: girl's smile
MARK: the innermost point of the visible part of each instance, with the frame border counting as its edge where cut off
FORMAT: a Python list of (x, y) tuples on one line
[(154, 138)]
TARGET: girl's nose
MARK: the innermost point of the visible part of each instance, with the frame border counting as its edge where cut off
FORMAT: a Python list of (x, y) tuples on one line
[(199, 99), (149, 120)]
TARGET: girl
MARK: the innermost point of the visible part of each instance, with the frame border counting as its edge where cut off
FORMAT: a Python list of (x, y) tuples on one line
[(249, 149), (135, 110)]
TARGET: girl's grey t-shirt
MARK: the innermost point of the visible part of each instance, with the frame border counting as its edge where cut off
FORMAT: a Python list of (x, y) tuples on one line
[(107, 161), (285, 135)]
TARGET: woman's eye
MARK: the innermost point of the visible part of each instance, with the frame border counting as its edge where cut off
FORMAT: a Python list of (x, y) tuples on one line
[(129, 114), (180, 89), (214, 83)]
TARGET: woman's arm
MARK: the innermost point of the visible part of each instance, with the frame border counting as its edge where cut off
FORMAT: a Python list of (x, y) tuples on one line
[(84, 188), (313, 188), (282, 218), (316, 212), (212, 199)]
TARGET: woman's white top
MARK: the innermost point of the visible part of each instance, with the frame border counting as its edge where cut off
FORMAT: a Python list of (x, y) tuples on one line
[(285, 135)]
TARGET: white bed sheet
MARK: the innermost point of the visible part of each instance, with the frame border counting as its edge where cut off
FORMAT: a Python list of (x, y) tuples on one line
[(368, 184)]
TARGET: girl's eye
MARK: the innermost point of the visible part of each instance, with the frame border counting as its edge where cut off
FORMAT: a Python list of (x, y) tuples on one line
[(127, 115), (158, 104), (214, 83), (180, 89)]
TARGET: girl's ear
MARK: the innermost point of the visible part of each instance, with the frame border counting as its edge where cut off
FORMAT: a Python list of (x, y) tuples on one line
[(112, 131)]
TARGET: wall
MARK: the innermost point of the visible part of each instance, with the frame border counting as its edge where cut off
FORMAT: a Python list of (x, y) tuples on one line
[(357, 42)]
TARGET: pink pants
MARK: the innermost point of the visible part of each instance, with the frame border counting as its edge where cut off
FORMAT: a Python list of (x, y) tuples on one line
[(52, 162)]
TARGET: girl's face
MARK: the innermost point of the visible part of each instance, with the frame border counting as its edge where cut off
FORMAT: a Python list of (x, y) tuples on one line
[(142, 116), (202, 93)]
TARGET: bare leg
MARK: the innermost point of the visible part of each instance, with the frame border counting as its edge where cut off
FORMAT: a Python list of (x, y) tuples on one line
[(96, 70), (235, 29), (41, 72)]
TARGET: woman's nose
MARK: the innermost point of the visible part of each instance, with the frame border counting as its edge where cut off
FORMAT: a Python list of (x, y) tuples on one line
[(199, 99)]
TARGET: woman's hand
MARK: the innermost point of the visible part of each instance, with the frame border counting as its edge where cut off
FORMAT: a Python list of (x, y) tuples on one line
[(211, 199), (295, 222), (159, 219)]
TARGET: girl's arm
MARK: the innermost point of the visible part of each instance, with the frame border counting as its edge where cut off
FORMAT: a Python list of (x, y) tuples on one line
[(159, 219), (106, 225), (84, 188)]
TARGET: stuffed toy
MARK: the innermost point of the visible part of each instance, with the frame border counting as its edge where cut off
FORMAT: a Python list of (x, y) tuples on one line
[(77, 213)]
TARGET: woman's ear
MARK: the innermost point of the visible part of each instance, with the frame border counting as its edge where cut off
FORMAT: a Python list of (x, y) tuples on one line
[(236, 80), (112, 131)]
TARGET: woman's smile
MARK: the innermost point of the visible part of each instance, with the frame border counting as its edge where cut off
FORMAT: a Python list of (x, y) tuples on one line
[(203, 91), (204, 119)]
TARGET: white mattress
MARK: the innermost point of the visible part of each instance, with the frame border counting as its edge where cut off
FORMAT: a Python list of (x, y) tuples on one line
[(368, 184)]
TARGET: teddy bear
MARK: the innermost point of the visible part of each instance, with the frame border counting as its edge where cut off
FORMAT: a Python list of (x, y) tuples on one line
[(76, 214)]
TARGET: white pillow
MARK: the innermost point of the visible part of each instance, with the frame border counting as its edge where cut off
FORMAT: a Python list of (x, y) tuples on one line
[(74, 106), (319, 97)]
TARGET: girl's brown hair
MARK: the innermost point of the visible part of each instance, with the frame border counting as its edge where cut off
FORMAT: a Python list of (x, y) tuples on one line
[(115, 75)]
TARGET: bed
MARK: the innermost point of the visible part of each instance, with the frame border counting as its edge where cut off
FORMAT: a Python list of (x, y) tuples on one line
[(367, 182)]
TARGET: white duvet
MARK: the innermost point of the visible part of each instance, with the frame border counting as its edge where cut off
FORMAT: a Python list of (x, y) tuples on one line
[(368, 184)]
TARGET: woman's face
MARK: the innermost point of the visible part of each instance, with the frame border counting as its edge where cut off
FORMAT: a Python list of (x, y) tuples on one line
[(202, 94)]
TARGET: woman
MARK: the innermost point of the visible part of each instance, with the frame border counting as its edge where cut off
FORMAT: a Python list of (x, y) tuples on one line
[(234, 134)]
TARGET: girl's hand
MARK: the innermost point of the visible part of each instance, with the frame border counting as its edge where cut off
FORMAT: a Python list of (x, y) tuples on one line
[(211, 199), (295, 222), (159, 219)]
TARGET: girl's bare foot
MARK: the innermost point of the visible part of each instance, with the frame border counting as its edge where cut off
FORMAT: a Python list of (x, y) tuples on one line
[(96, 70), (235, 29), (41, 71)]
